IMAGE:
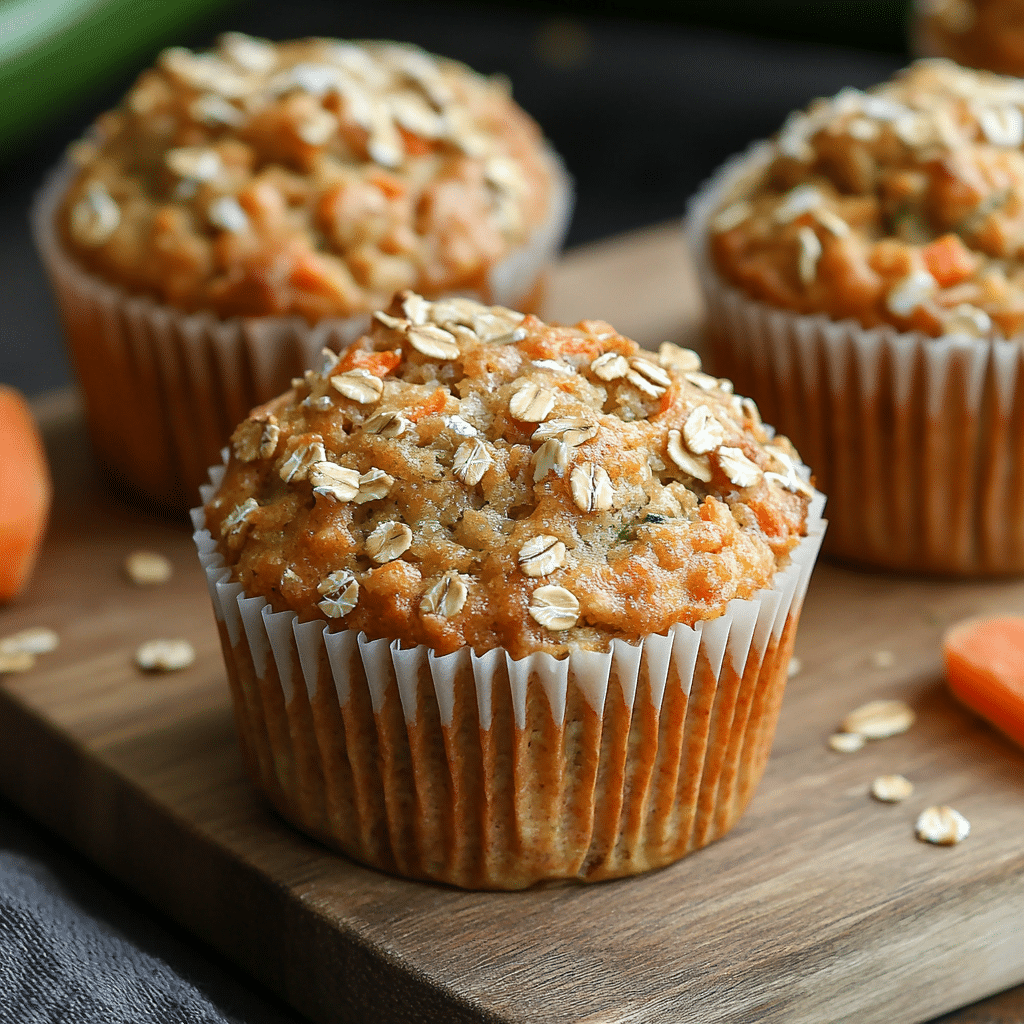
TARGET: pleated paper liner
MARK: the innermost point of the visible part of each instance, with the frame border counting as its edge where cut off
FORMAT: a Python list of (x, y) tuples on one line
[(489, 773), (165, 389), (917, 441)]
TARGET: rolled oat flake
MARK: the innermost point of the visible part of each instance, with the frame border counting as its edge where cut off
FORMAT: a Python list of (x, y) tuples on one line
[(165, 655), (942, 826)]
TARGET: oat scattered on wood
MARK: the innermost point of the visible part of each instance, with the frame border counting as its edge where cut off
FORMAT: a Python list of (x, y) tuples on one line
[(879, 719), (846, 742), (883, 659), (148, 568), (942, 826), (891, 789), (165, 655), (34, 640), (16, 661), (795, 667)]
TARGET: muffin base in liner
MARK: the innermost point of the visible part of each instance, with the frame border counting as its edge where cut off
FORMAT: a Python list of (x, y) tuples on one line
[(489, 773), (164, 389), (916, 440)]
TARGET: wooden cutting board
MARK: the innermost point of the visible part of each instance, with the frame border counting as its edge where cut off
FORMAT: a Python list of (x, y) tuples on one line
[(820, 906)]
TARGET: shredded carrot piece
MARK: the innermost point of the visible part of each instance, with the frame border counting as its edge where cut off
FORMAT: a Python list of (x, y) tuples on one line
[(985, 669), (24, 492), (948, 260)]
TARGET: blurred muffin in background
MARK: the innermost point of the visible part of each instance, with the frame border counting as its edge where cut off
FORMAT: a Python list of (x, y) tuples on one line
[(863, 272), (244, 207), (985, 34)]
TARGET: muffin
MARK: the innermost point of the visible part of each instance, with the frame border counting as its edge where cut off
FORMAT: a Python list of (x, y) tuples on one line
[(245, 207), (503, 601), (985, 34), (862, 274)]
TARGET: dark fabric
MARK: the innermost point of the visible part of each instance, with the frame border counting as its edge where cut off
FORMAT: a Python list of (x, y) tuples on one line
[(76, 951)]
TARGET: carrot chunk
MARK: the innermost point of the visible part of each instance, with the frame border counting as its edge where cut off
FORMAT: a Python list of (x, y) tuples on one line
[(948, 260), (985, 669), (24, 492)]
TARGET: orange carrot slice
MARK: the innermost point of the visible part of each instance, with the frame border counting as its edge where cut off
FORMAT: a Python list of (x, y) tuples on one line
[(24, 492), (948, 260), (985, 668)]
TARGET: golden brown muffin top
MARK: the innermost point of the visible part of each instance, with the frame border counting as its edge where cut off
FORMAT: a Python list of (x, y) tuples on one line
[(978, 33), (314, 177), (465, 475), (903, 205)]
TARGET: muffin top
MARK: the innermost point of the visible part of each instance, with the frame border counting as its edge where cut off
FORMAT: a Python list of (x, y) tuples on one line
[(903, 205), (979, 33), (313, 178), (465, 475)]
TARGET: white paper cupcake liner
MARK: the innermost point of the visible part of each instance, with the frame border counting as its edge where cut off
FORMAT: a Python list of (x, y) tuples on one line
[(916, 440), (165, 389), (490, 773)]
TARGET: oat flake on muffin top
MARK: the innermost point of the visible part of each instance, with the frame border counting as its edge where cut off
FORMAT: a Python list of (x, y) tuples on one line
[(465, 475), (901, 205), (314, 177)]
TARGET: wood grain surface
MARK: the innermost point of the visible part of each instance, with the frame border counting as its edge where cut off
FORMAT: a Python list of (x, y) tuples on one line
[(820, 906)]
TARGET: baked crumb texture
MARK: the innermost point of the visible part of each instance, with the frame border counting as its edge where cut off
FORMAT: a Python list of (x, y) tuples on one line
[(862, 273), (467, 476), (903, 205), (311, 178)]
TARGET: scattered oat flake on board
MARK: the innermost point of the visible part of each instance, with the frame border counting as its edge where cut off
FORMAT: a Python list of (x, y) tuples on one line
[(891, 789), (165, 655), (846, 742), (879, 719), (35, 640), (795, 667), (16, 661), (147, 568), (942, 826), (883, 659)]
